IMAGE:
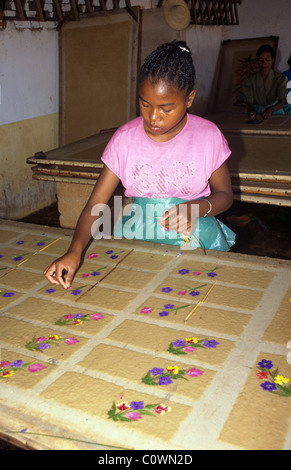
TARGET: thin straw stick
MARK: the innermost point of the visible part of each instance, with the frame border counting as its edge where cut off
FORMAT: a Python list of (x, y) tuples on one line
[(196, 306), (27, 259), (37, 252), (98, 282)]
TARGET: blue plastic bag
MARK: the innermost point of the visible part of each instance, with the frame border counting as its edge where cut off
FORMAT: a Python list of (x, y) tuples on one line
[(142, 224)]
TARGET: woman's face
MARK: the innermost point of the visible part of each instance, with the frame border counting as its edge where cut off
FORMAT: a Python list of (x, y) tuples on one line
[(163, 109), (265, 62)]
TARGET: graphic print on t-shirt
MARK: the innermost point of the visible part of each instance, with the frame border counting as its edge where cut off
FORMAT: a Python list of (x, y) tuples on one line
[(162, 182)]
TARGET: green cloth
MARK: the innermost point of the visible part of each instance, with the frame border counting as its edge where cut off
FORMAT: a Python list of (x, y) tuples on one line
[(265, 94)]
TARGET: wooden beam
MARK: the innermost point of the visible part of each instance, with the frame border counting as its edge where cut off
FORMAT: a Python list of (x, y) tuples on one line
[(202, 21), (208, 12), (130, 10), (59, 12), (103, 5), (230, 3), (20, 11), (214, 9), (39, 12), (193, 8), (2, 21), (221, 20), (89, 7), (74, 9), (235, 11), (225, 12)]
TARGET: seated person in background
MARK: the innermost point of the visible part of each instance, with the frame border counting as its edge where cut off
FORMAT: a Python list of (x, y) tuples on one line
[(287, 107), (288, 72), (265, 91)]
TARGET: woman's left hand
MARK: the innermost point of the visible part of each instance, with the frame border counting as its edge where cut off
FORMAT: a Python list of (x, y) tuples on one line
[(180, 218), (267, 113)]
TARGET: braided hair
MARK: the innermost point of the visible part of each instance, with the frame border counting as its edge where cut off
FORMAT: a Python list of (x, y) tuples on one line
[(171, 62)]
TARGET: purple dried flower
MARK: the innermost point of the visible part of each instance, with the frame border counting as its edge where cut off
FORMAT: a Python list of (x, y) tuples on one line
[(50, 291), (179, 343), (156, 371), (265, 364), (8, 294), (17, 364), (184, 271), (136, 405), (269, 386), (164, 313), (76, 292), (165, 380), (210, 343)]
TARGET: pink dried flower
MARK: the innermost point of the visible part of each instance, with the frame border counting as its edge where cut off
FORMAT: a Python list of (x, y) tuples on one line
[(36, 367), (92, 255), (71, 340), (40, 339), (182, 292), (133, 415), (189, 349), (97, 316), (146, 310), (161, 409), (4, 364), (194, 372)]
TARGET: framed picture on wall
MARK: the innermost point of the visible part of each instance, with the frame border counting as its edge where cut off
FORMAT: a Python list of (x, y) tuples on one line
[(237, 61)]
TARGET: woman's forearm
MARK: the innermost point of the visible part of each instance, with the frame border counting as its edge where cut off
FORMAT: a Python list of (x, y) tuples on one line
[(82, 234), (103, 190), (277, 106), (215, 203)]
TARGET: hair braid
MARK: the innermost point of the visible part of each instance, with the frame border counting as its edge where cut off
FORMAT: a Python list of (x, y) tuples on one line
[(171, 62)]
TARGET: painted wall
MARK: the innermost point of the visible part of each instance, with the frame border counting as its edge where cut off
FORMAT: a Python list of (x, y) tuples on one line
[(28, 115)]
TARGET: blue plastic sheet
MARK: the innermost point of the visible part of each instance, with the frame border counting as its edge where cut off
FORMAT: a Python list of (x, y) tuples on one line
[(142, 224)]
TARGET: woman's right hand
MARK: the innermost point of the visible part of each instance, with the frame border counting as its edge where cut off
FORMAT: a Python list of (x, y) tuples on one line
[(62, 270)]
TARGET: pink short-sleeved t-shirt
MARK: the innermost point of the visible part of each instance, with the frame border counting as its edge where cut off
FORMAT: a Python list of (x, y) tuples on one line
[(180, 167)]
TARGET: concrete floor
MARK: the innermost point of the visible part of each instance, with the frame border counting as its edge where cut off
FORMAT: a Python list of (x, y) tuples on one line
[(78, 367)]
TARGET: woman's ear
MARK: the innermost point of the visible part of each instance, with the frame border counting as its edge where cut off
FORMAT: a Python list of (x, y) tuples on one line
[(190, 98)]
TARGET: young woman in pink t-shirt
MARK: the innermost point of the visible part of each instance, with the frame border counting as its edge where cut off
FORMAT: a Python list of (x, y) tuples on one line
[(166, 158)]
